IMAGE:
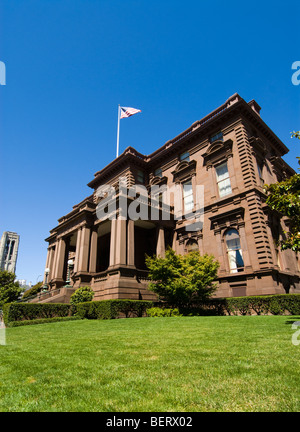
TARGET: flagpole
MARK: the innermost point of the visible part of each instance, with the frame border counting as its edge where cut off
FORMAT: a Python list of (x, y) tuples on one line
[(118, 135)]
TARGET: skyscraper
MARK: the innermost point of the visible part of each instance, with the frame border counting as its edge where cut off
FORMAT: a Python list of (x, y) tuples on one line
[(9, 246)]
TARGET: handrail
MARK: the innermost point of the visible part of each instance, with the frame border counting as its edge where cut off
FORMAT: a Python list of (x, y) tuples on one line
[(43, 294)]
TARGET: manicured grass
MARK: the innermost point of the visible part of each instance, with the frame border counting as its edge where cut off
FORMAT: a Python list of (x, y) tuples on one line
[(182, 364)]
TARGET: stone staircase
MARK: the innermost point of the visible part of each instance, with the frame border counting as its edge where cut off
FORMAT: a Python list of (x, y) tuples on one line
[(59, 295)]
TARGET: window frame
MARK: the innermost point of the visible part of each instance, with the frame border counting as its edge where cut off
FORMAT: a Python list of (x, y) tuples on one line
[(187, 158), (216, 137), (234, 251), (140, 178), (260, 166), (185, 196), (221, 195), (158, 170)]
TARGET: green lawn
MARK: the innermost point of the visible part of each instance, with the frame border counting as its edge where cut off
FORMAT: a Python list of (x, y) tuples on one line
[(152, 364)]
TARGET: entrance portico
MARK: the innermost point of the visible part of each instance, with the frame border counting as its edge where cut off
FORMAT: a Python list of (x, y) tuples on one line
[(108, 255)]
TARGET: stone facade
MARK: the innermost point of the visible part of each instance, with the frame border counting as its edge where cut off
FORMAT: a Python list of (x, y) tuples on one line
[(232, 153)]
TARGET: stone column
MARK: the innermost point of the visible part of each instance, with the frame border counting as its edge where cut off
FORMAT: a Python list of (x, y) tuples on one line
[(121, 245), (174, 241), (160, 247), (77, 251), (93, 251), (130, 242), (47, 264), (84, 249), (113, 236), (51, 263), (60, 259)]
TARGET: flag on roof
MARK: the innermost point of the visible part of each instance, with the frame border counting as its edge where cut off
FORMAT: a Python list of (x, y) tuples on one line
[(127, 111)]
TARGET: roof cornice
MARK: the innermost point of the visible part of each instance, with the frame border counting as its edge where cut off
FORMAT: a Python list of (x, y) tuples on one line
[(234, 104)]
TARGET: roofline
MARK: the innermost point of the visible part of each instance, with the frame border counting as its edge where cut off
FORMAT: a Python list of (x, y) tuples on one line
[(232, 102)]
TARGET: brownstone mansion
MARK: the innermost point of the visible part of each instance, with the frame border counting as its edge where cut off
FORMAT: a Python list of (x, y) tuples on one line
[(232, 153)]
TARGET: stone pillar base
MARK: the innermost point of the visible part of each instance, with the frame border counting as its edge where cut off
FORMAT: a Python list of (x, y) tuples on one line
[(122, 283)]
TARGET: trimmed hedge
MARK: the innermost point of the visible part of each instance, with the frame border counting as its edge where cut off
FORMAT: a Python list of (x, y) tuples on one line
[(281, 304), (42, 321), (31, 311), (277, 304), (162, 312), (37, 313), (111, 309)]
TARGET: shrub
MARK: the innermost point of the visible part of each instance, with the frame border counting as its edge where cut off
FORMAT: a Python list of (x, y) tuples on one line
[(33, 290), (30, 311), (180, 279), (292, 303), (41, 321), (162, 312), (82, 294), (239, 305), (259, 304), (111, 309), (278, 304)]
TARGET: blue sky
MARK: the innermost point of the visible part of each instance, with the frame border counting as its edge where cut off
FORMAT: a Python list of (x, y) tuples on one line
[(69, 63)]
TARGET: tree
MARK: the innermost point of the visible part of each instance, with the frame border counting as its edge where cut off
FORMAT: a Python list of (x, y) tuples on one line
[(285, 198), (180, 279), (9, 289)]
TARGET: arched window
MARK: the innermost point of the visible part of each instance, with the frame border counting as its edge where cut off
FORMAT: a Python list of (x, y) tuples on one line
[(192, 246), (234, 251)]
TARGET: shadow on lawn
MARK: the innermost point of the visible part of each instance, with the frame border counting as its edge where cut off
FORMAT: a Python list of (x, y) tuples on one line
[(293, 320)]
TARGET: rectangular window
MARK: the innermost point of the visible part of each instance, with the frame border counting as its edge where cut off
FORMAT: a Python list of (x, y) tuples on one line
[(188, 198), (217, 137), (223, 180), (235, 256), (259, 169), (184, 157), (236, 262), (158, 172), (140, 177)]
